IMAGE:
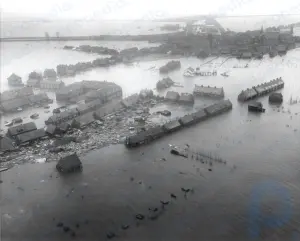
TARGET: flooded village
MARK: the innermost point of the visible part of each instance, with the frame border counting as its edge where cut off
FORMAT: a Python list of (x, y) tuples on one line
[(169, 124)]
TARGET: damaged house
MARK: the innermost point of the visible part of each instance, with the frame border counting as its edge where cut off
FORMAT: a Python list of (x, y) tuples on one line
[(187, 99), (83, 121), (130, 101), (28, 137), (164, 83), (172, 96), (17, 130), (14, 80)]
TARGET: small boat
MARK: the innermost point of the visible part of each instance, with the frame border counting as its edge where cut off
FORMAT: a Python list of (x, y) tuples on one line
[(9, 123), (34, 116), (47, 107), (19, 109)]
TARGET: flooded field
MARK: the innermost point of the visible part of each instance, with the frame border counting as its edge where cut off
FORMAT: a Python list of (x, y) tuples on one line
[(254, 196)]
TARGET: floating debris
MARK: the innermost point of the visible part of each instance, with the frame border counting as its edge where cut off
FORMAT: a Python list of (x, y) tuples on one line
[(139, 216), (164, 202), (125, 227), (110, 235)]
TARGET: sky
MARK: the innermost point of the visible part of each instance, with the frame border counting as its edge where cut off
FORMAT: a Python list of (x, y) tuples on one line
[(141, 9)]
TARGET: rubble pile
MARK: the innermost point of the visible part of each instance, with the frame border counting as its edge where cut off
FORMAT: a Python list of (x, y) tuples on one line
[(113, 129)]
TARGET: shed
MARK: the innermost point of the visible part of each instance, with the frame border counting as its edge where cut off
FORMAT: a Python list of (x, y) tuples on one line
[(69, 163), (6, 144), (14, 80), (172, 126), (63, 127), (30, 136), (83, 121), (172, 96), (17, 130), (186, 120)]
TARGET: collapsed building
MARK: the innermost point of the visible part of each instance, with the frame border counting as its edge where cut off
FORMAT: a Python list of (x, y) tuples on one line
[(19, 129), (208, 91), (261, 89)]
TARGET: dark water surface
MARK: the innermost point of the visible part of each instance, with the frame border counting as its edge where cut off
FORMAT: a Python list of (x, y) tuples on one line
[(262, 156)]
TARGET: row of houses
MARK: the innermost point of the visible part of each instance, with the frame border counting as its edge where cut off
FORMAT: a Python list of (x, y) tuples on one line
[(208, 91), (11, 100), (151, 134), (262, 89), (61, 123)]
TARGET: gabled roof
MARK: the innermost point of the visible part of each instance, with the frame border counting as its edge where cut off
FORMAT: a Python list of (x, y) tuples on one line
[(17, 130), (13, 77)]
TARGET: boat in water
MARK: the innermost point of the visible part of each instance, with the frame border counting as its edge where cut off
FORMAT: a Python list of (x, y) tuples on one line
[(19, 109), (256, 107), (9, 123), (34, 116)]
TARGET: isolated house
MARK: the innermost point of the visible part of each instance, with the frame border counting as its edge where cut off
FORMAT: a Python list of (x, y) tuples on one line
[(14, 80), (69, 163)]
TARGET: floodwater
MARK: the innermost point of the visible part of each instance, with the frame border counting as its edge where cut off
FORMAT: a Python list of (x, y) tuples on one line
[(254, 196)]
